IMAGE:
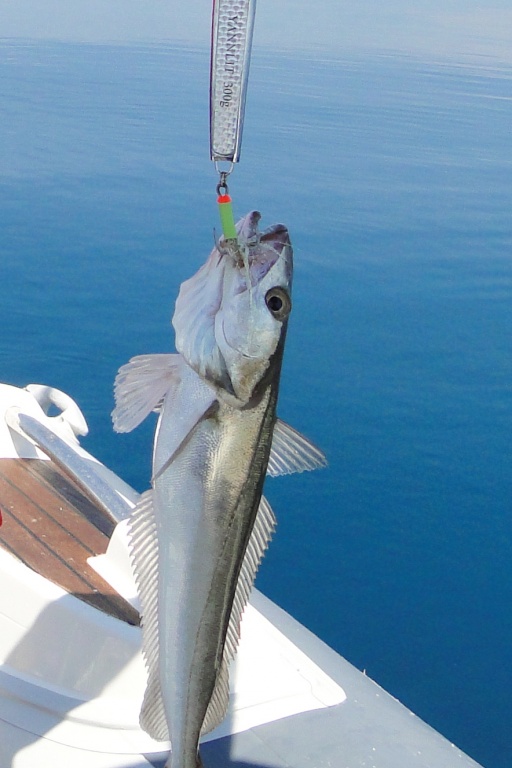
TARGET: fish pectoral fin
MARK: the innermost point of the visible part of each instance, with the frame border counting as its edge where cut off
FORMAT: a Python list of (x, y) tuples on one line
[(262, 531), (193, 401), (140, 387), (292, 452)]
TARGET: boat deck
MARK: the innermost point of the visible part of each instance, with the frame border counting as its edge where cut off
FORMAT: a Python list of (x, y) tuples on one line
[(52, 527)]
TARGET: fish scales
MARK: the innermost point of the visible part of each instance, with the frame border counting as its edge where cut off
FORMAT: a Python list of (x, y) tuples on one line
[(199, 534)]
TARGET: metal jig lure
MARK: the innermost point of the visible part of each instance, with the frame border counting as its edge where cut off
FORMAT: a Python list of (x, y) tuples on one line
[(232, 28)]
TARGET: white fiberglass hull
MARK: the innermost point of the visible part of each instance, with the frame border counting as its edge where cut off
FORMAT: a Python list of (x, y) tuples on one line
[(72, 677)]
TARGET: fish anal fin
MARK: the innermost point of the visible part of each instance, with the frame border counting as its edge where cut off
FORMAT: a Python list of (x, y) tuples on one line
[(140, 387), (262, 531), (144, 553), (292, 452)]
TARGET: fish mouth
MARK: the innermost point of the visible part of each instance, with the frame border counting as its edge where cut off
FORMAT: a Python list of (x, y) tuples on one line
[(257, 252), (276, 236), (247, 228)]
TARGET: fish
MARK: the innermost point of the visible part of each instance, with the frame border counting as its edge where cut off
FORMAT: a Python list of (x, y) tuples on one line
[(198, 535)]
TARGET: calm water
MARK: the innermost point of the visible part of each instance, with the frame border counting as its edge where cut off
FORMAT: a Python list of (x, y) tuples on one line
[(394, 176)]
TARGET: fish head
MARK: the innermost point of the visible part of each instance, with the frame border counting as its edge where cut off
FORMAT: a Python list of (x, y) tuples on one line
[(232, 314)]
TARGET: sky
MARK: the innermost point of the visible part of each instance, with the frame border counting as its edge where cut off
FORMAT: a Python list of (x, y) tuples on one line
[(435, 27)]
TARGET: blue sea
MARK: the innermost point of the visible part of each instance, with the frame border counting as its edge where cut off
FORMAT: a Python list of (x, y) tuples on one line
[(394, 176)]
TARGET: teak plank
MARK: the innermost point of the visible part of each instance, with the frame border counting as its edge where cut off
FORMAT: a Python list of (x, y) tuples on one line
[(45, 499), (51, 526)]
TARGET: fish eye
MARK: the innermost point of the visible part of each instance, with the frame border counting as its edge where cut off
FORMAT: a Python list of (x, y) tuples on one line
[(279, 303)]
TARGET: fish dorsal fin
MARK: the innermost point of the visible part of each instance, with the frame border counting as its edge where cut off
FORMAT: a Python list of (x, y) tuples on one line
[(262, 531), (292, 452), (144, 553), (140, 387)]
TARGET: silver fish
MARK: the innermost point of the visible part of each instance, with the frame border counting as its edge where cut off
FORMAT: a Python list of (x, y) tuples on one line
[(199, 534)]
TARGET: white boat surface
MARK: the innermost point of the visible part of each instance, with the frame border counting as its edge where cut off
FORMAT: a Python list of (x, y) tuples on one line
[(72, 676)]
